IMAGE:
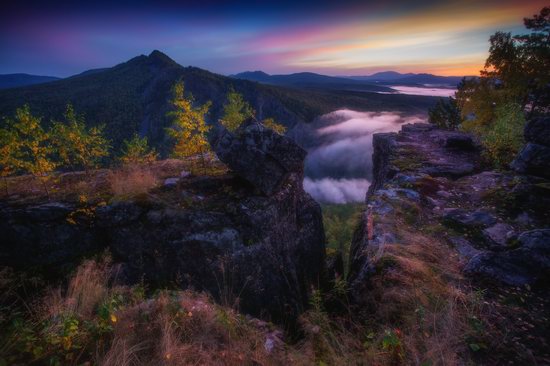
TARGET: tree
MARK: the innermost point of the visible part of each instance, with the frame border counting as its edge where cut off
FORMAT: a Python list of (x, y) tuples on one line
[(445, 114), (137, 151), (271, 124), (517, 66), (515, 81), (33, 150), (189, 129), (8, 149), (77, 145), (235, 111)]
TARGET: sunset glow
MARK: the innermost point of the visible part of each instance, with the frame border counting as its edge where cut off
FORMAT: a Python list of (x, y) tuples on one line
[(445, 38)]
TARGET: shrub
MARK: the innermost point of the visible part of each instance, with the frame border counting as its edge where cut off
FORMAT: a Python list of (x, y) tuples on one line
[(504, 137), (137, 151), (446, 114)]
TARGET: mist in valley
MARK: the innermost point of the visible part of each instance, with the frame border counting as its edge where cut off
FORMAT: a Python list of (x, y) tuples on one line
[(338, 168)]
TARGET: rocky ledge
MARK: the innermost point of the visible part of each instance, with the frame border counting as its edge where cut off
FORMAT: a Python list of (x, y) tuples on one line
[(438, 228), (497, 221), (252, 238)]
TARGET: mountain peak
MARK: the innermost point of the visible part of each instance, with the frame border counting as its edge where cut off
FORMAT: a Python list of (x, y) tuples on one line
[(161, 58)]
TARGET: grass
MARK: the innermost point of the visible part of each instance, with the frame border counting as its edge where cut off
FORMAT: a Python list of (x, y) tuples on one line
[(103, 184), (90, 320)]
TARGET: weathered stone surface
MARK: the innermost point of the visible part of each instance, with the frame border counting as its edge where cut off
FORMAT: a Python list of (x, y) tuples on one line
[(434, 176), (537, 131), (533, 159), (260, 155), (461, 141), (464, 219), (267, 251), (529, 263), (499, 234)]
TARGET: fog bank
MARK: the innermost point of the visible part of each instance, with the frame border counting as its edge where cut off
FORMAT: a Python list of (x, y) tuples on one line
[(339, 168)]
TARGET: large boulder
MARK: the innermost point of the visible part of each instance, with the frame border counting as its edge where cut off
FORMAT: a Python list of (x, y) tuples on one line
[(537, 131), (259, 155), (533, 159)]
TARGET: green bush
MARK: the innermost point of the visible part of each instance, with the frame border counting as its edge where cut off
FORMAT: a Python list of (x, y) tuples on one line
[(446, 114), (504, 137)]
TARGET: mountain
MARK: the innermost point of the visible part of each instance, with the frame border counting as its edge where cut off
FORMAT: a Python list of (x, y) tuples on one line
[(396, 78), (134, 97), (310, 80), (16, 80), (382, 76)]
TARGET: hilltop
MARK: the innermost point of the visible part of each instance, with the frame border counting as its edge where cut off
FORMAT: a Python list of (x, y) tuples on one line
[(16, 80)]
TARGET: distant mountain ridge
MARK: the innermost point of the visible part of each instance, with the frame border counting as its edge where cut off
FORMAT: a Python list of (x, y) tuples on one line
[(311, 80), (134, 97), (396, 78), (16, 80), (367, 83)]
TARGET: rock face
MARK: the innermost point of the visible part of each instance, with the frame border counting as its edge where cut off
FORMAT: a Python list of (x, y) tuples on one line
[(526, 264), (534, 158), (262, 252), (498, 222), (538, 131), (260, 155), (426, 150)]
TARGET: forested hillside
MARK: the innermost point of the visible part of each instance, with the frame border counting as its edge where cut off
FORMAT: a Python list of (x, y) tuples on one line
[(133, 97)]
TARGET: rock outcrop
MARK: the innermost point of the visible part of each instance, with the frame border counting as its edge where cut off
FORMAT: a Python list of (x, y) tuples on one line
[(497, 221), (260, 155), (252, 238), (534, 158)]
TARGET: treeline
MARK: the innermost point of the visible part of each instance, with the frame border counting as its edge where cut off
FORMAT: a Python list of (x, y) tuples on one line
[(513, 87), (27, 148)]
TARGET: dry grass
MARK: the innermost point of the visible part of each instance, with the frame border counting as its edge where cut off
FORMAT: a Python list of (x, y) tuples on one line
[(186, 328), (420, 291), (86, 289), (91, 321), (132, 181)]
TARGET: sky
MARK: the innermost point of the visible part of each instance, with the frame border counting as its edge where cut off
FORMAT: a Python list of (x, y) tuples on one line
[(63, 38)]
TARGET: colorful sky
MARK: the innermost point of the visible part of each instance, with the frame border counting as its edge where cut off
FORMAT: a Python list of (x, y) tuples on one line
[(329, 37)]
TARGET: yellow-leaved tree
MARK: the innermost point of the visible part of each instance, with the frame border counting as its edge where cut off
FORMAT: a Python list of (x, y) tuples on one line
[(33, 150), (77, 145), (189, 128), (137, 151), (235, 111), (271, 124), (8, 150)]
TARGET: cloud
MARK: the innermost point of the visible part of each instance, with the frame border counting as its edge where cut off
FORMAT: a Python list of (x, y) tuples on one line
[(345, 148), (339, 168), (330, 190)]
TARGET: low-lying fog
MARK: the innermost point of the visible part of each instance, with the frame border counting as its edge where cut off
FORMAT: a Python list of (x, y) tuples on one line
[(338, 167)]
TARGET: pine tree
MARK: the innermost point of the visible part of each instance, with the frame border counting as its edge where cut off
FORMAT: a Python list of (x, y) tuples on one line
[(235, 111), (77, 145), (189, 129), (137, 151), (32, 150)]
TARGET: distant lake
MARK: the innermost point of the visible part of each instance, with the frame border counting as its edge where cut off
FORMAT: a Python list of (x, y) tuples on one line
[(427, 90), (338, 168)]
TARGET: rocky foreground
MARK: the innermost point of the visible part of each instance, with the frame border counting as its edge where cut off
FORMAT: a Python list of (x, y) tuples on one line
[(252, 238), (496, 224)]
